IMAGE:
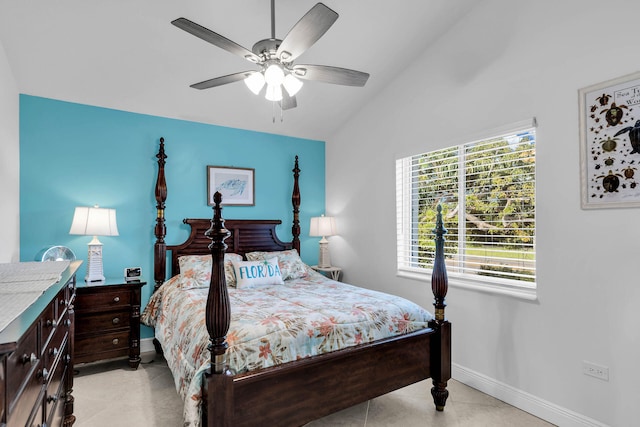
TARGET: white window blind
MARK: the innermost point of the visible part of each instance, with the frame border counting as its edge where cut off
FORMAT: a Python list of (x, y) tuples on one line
[(487, 192)]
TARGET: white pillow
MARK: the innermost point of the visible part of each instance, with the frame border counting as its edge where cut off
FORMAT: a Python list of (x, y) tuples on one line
[(255, 273)]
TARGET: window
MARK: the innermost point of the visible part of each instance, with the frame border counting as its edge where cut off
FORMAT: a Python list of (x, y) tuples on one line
[(487, 192)]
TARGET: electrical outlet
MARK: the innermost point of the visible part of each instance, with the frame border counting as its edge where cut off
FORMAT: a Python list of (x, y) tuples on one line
[(595, 370)]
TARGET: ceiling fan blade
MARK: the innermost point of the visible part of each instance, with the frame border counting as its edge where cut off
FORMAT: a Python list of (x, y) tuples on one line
[(288, 102), (215, 39), (306, 32), (334, 75), (219, 81)]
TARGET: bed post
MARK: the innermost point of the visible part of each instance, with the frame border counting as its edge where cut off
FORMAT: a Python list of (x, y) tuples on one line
[(441, 362), (295, 199), (218, 318), (218, 305), (160, 247)]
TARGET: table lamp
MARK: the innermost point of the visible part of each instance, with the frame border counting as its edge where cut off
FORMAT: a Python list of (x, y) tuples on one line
[(323, 226), (94, 221)]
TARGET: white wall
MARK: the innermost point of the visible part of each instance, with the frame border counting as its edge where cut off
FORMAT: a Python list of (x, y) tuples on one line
[(9, 164), (505, 62)]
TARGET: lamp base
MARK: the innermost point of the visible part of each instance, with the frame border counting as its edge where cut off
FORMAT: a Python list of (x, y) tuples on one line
[(94, 262), (324, 259)]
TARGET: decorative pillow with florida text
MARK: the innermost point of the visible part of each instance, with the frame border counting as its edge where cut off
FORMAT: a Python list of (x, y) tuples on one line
[(256, 273), (291, 265)]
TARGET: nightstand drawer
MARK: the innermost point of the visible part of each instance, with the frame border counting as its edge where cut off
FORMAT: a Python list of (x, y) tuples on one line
[(101, 343), (103, 299), (86, 324)]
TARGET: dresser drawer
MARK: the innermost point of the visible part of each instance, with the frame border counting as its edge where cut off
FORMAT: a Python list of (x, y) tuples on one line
[(22, 365), (100, 344), (55, 387), (29, 395), (56, 348), (104, 299), (91, 323), (49, 322)]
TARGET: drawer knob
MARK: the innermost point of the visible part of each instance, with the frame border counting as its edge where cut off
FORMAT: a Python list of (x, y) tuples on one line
[(67, 322), (116, 299), (44, 374), (115, 320), (54, 351), (115, 341), (52, 399), (32, 358), (51, 323)]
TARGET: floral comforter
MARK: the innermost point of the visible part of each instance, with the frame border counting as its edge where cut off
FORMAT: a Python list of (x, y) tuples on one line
[(271, 325)]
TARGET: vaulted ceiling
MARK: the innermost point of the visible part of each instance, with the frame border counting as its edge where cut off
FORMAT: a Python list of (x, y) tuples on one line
[(126, 55)]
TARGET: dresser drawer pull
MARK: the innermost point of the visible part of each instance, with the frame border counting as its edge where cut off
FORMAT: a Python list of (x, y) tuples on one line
[(115, 341), (67, 358), (115, 320), (52, 399), (116, 299), (44, 374), (67, 322), (54, 351), (33, 359), (51, 323)]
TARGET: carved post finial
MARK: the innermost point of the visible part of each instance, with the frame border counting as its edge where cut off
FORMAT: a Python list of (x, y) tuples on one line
[(439, 280), (218, 315)]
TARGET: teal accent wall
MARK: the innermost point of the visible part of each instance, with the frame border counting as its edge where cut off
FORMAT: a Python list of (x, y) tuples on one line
[(80, 155)]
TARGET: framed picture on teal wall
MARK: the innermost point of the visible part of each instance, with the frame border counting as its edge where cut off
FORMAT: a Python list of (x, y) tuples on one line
[(237, 185)]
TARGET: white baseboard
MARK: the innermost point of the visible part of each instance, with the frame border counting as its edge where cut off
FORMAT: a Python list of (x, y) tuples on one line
[(520, 399), (146, 345)]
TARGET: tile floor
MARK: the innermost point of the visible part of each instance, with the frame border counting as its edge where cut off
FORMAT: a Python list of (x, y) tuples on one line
[(110, 394)]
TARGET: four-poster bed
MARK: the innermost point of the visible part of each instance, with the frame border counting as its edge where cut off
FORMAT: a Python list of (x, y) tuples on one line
[(298, 391)]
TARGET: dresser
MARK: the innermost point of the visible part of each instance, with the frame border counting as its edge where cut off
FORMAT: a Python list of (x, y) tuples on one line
[(36, 366), (108, 321)]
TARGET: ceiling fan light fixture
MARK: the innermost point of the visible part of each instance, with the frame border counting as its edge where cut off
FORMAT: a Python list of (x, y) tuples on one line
[(255, 82), (292, 84), (274, 93), (274, 74)]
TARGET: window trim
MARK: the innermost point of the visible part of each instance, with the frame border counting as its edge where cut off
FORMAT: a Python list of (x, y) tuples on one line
[(521, 290)]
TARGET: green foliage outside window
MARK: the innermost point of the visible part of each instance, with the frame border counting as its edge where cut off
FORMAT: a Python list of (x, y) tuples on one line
[(498, 210)]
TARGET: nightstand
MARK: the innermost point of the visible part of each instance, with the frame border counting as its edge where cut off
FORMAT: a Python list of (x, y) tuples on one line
[(107, 321), (333, 272)]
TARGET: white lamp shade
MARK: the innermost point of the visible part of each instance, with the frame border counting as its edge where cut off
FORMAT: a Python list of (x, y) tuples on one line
[(255, 82), (274, 75), (292, 84), (94, 222), (323, 226), (274, 93)]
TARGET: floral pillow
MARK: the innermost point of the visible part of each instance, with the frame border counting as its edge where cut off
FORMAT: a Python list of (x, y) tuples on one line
[(256, 273), (291, 265), (196, 270)]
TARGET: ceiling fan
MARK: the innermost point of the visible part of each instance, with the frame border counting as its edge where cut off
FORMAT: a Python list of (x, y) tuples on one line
[(275, 58)]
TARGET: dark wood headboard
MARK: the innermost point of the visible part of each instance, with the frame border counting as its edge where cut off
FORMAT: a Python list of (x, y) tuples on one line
[(246, 235)]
